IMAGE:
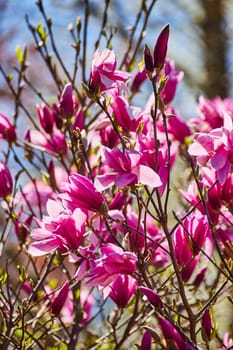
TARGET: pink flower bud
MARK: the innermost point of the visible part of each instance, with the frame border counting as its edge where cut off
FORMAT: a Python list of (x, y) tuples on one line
[(59, 299), (160, 49), (122, 289), (7, 130), (46, 118), (6, 183), (22, 228), (206, 325), (148, 60), (200, 277), (152, 297), (138, 80), (57, 116), (66, 101), (146, 341)]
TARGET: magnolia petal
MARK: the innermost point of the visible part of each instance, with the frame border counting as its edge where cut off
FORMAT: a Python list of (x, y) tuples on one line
[(223, 173), (219, 160), (147, 176), (116, 214), (125, 179), (102, 182), (196, 149), (43, 247)]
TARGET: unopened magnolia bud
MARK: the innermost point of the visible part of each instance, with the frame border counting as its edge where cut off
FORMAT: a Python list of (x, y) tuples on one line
[(152, 297), (6, 183), (206, 326), (160, 49), (148, 60), (66, 101)]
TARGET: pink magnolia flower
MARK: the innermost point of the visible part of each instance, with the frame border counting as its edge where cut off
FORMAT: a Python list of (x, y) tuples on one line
[(35, 196), (53, 143), (6, 182), (46, 118), (177, 128), (122, 289), (213, 190), (152, 297), (22, 227), (206, 325), (173, 337), (160, 49), (79, 192), (188, 241), (123, 113), (59, 299), (227, 342), (60, 230), (104, 74), (7, 130), (127, 170), (66, 101), (215, 148), (87, 302), (146, 341), (173, 77), (211, 113), (138, 80), (114, 261)]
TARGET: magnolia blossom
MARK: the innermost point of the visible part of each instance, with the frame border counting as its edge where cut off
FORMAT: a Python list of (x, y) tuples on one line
[(152, 296), (211, 113), (79, 192), (114, 261), (173, 77), (188, 241), (46, 118), (67, 101), (6, 182), (123, 113), (60, 230), (58, 300), (215, 148), (7, 130), (214, 194), (127, 170), (160, 48), (121, 290), (173, 337), (54, 143), (103, 73)]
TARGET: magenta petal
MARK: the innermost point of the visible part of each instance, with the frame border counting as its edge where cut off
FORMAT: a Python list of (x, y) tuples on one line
[(40, 234), (125, 179), (148, 177), (219, 159), (102, 182), (153, 297), (116, 214), (196, 149), (43, 247), (223, 173), (59, 299)]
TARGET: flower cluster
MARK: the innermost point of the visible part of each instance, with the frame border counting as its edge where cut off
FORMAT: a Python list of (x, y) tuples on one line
[(98, 219)]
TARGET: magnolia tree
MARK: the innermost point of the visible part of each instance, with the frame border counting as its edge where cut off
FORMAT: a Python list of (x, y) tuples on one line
[(95, 251)]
